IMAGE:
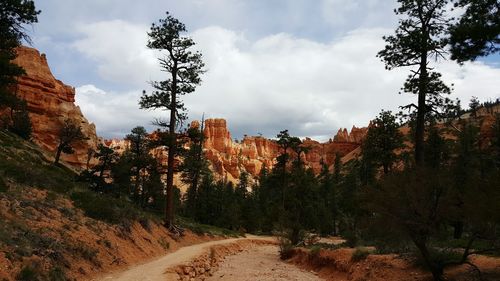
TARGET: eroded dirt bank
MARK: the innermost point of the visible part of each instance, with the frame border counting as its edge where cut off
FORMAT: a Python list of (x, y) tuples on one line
[(337, 265)]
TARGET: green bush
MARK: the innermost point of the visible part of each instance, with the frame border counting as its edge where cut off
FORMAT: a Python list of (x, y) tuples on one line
[(360, 254), (3, 186), (285, 248), (105, 208), (57, 274), (438, 257), (28, 273), (314, 251)]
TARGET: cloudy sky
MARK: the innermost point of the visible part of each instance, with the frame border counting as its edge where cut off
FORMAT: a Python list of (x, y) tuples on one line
[(304, 65)]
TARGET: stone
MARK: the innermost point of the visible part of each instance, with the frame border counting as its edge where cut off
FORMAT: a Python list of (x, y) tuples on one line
[(50, 102)]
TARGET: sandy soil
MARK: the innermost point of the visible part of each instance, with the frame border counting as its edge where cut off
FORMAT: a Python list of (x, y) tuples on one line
[(261, 263), (155, 270)]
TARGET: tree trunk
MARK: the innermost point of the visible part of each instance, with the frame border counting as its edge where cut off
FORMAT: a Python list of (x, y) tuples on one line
[(458, 229), (58, 155), (420, 128), (169, 207), (436, 270)]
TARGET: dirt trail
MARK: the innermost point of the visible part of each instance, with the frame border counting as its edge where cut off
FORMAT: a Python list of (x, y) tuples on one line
[(155, 270), (261, 263)]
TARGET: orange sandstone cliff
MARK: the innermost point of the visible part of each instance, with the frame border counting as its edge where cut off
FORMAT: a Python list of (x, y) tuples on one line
[(229, 158), (50, 102)]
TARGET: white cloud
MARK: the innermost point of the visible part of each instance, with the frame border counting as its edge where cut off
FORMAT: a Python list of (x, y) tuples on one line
[(114, 113), (119, 50), (266, 85)]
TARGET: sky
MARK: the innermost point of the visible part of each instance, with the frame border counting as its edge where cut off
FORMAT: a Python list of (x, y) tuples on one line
[(308, 66)]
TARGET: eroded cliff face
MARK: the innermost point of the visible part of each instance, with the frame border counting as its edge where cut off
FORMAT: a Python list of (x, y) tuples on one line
[(229, 159), (50, 102)]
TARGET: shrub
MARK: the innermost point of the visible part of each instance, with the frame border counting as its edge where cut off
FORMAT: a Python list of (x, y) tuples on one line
[(105, 208), (28, 273), (57, 274), (438, 257), (314, 251), (3, 186), (359, 254), (164, 243), (285, 248)]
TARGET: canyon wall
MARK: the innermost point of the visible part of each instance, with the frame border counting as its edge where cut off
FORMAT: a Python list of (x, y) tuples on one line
[(229, 158), (50, 102)]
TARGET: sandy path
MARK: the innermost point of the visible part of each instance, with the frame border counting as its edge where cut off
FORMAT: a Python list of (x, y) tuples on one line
[(261, 263), (154, 270)]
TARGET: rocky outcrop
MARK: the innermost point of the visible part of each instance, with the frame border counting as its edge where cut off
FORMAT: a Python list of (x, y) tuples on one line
[(229, 158), (355, 136), (50, 102)]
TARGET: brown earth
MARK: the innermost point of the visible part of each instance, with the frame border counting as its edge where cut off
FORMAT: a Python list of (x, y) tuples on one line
[(58, 232), (260, 263), (336, 265)]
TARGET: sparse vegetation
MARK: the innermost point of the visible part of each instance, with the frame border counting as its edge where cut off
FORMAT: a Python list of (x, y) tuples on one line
[(29, 273), (359, 254)]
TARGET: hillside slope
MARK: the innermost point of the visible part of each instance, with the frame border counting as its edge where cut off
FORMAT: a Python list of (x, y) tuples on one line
[(44, 236)]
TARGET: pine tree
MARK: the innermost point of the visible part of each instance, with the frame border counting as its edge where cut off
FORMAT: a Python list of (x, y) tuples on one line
[(184, 67), (420, 37), (382, 141), (477, 33), (142, 163), (14, 15), (69, 134)]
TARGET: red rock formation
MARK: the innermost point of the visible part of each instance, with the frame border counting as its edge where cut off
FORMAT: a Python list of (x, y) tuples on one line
[(230, 158), (50, 102), (355, 136)]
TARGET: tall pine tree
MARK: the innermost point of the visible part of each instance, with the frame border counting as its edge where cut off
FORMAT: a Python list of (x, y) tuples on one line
[(184, 67)]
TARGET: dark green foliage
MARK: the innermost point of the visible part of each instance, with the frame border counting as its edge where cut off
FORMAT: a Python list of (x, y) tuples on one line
[(23, 163), (419, 38), (105, 208), (382, 141), (194, 169), (185, 68), (97, 177), (3, 186), (29, 273), (474, 106), (477, 33), (437, 149), (57, 274), (359, 254), (14, 15), (453, 198), (21, 123), (68, 135), (136, 173), (285, 248)]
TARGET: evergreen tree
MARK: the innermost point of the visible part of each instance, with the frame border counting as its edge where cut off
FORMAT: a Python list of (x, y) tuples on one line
[(143, 165), (419, 38), (14, 15), (477, 33), (68, 135), (381, 142), (99, 174), (184, 67), (20, 120), (194, 168), (474, 106)]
